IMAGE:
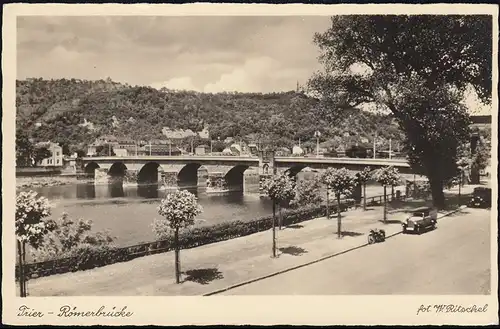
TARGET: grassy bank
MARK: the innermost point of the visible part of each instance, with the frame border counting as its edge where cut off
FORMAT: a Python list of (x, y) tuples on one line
[(43, 181)]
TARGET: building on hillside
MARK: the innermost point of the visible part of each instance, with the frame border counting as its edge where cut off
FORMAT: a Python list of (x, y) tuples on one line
[(283, 152), (202, 149), (235, 149), (227, 151), (177, 133), (297, 150), (253, 149), (56, 159)]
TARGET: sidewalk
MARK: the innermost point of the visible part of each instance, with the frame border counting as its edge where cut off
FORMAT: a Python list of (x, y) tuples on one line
[(219, 265)]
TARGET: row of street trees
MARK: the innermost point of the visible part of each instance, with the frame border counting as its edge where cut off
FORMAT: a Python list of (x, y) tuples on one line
[(281, 189)]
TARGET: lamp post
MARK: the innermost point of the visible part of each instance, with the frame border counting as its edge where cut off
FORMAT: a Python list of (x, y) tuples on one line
[(317, 134), (169, 147), (375, 145), (390, 148)]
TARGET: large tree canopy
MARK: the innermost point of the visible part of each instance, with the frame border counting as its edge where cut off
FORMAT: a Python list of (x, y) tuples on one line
[(418, 67), (436, 49)]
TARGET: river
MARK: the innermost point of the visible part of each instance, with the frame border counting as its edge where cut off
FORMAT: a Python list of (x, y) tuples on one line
[(128, 212)]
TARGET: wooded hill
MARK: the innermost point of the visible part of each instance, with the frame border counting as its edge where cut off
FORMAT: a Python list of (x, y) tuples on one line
[(56, 110)]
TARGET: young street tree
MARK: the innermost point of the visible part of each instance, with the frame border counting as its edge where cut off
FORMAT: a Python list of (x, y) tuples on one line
[(32, 226), (363, 177), (281, 190), (341, 182), (417, 67), (387, 176), (178, 210)]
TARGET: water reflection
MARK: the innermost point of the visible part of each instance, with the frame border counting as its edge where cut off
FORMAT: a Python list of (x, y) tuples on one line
[(116, 190), (85, 191), (148, 191)]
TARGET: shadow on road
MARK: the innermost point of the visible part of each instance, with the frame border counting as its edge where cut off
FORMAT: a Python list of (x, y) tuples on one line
[(390, 221), (349, 233), (295, 226), (292, 250), (203, 275)]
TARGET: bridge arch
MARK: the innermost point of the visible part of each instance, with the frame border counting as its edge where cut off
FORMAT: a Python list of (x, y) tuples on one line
[(294, 170), (235, 177), (190, 175), (148, 174), (90, 169)]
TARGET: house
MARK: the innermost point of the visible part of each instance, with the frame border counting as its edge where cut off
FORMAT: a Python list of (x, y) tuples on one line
[(56, 159), (297, 150), (283, 152), (178, 133), (253, 148), (201, 150)]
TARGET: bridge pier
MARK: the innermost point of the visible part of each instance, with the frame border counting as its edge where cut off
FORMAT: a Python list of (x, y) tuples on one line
[(216, 181), (251, 180), (168, 179), (101, 176)]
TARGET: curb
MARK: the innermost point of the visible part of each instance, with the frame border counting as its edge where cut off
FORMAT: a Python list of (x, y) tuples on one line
[(218, 291)]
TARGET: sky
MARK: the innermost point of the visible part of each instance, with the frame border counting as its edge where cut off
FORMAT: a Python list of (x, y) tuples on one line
[(202, 53), (210, 54)]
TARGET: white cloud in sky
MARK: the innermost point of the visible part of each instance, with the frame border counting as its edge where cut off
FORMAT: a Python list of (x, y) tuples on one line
[(181, 83)]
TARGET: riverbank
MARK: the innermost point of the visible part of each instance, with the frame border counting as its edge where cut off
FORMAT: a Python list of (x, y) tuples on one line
[(46, 181)]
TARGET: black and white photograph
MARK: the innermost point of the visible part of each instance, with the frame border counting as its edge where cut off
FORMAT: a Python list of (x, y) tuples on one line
[(250, 154)]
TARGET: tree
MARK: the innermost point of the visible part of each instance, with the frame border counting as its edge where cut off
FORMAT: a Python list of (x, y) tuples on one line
[(417, 67), (363, 177), (32, 225), (341, 182), (387, 176), (41, 153), (24, 149), (105, 150), (280, 189), (178, 210), (307, 193)]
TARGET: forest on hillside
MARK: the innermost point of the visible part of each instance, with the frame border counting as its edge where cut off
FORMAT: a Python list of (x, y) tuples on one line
[(56, 110)]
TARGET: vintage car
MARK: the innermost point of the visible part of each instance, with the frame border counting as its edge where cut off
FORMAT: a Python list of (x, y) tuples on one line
[(420, 219), (481, 198)]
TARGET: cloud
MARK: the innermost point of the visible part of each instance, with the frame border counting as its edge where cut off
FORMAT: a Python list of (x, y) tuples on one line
[(217, 53), (181, 83)]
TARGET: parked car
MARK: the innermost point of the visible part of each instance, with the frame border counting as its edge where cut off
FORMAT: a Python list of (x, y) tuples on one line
[(481, 198), (420, 219)]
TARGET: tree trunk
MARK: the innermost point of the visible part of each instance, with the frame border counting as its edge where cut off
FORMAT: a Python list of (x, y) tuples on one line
[(25, 287), (21, 270), (177, 260), (459, 194), (339, 218), (385, 204), (280, 217), (364, 196), (437, 193), (327, 204), (274, 228)]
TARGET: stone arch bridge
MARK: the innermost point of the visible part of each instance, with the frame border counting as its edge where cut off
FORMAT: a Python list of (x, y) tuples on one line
[(217, 172)]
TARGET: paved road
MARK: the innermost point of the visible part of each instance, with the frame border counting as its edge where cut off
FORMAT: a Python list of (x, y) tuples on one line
[(453, 259)]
